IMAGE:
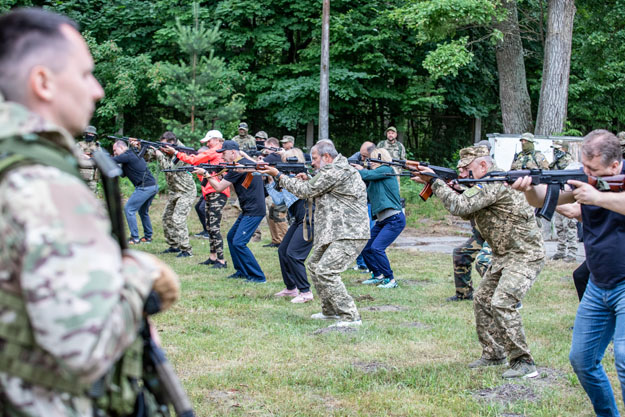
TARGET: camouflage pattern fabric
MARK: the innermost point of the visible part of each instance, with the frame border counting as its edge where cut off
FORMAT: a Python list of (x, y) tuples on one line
[(83, 300), (325, 264), (215, 203), (180, 198), (562, 162), (473, 249), (340, 199), (566, 229), (497, 320), (397, 151), (245, 142), (507, 222), (88, 170), (530, 160)]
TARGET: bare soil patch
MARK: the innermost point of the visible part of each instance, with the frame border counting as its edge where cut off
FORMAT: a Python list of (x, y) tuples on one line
[(370, 367), (384, 308), (507, 393), (365, 297)]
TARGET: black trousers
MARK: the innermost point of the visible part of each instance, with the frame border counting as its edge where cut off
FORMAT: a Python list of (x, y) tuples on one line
[(292, 253), (201, 212)]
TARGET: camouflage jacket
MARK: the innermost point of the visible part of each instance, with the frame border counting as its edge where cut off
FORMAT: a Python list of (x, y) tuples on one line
[(85, 150), (177, 182), (340, 201), (245, 143), (562, 162), (83, 301), (396, 150), (501, 214), (530, 160)]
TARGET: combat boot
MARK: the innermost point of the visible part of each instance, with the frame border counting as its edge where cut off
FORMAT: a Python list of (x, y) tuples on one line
[(461, 297), (482, 362), (557, 256), (521, 369)]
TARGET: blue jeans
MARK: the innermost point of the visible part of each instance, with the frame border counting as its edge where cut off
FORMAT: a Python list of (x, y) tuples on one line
[(140, 201), (242, 257), (382, 235), (600, 316)]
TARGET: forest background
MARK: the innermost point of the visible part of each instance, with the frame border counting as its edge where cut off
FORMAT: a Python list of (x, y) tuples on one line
[(439, 70)]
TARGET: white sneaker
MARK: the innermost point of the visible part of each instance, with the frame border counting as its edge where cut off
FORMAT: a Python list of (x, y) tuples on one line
[(354, 323), (321, 316)]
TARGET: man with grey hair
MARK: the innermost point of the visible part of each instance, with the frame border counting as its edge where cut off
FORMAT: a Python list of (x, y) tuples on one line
[(508, 224), (599, 318), (341, 227), (72, 301)]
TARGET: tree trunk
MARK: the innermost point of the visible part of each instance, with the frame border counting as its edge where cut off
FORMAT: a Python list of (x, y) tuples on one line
[(516, 111), (324, 92), (556, 67), (310, 134)]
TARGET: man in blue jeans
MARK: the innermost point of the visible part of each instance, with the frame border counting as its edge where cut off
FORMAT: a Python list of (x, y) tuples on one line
[(136, 169), (252, 201), (601, 313)]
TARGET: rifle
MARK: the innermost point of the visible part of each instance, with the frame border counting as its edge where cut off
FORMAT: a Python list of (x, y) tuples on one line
[(555, 180), (158, 145), (446, 174), (166, 387)]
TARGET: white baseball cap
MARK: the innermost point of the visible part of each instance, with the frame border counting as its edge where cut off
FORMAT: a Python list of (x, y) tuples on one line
[(212, 134)]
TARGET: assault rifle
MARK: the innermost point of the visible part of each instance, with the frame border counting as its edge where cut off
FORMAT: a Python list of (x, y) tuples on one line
[(158, 145), (555, 180), (258, 151), (446, 174)]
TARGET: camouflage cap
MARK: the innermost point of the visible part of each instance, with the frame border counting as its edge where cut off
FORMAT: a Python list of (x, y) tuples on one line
[(468, 155), (528, 137), (261, 134), (391, 128), (91, 129), (557, 144), (243, 126), (287, 138)]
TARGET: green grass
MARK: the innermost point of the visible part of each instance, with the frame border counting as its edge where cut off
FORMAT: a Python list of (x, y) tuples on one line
[(240, 352)]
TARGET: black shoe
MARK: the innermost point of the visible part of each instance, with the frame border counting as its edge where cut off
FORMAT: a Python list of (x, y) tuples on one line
[(271, 245), (203, 235), (184, 254), (236, 275), (460, 297), (219, 265), (209, 261), (171, 249)]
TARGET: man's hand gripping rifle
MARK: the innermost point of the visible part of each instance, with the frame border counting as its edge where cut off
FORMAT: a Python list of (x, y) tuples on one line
[(157, 145)]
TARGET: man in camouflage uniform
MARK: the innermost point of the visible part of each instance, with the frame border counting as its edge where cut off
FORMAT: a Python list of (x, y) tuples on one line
[(473, 249), (566, 228), (529, 158), (394, 147), (180, 197), (86, 148), (341, 227), (244, 139), (71, 302), (508, 224)]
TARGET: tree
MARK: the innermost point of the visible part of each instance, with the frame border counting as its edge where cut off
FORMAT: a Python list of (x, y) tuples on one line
[(199, 89)]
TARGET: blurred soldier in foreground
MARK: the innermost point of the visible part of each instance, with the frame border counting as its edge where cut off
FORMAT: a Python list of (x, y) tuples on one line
[(508, 224), (529, 158), (341, 227), (71, 302), (87, 147)]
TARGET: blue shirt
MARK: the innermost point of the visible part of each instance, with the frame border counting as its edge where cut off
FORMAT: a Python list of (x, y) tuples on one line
[(604, 241)]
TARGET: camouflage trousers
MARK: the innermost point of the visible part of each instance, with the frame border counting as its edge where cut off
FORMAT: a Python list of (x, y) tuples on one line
[(497, 320), (276, 220), (325, 263), (175, 216), (566, 229), (215, 203), (473, 249), (91, 177)]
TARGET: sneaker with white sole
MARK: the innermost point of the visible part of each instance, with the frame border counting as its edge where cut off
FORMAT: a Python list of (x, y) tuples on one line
[(303, 297), (374, 280), (388, 283), (344, 323), (521, 369), (287, 293), (483, 362), (321, 316)]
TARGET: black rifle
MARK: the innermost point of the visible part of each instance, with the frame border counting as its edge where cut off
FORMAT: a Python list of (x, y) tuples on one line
[(446, 174), (166, 387), (555, 180), (284, 167), (158, 145)]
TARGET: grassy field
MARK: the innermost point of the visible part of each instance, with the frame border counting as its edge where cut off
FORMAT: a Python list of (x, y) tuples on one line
[(241, 352)]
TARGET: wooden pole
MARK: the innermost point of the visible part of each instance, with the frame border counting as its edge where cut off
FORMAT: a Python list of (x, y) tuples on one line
[(324, 93)]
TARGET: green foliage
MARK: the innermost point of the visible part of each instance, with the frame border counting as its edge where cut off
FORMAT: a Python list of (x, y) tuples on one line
[(448, 58)]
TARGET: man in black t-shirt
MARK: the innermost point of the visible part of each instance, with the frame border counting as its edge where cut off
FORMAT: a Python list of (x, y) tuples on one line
[(601, 313), (252, 202), (137, 171)]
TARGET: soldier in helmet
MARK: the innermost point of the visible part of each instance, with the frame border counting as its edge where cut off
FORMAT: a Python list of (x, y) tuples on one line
[(529, 158), (87, 147), (244, 139), (261, 137)]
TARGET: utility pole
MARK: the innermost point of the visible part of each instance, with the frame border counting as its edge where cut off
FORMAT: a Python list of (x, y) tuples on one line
[(324, 93)]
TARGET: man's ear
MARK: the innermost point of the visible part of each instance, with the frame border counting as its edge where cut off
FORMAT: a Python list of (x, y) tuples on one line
[(41, 82)]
